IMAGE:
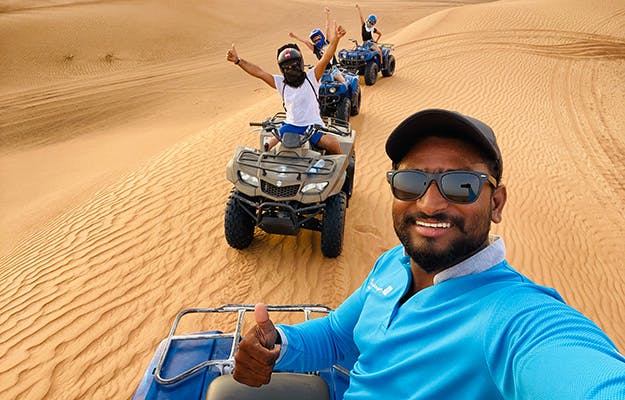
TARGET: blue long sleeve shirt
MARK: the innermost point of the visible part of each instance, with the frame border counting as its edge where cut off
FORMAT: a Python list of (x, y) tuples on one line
[(482, 331)]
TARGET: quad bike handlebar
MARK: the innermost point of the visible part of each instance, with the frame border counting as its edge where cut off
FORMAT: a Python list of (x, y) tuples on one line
[(273, 125)]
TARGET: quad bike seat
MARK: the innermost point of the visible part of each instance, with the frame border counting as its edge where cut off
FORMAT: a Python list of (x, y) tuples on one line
[(283, 386)]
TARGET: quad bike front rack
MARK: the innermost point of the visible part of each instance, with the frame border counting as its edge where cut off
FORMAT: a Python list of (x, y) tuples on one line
[(225, 366)]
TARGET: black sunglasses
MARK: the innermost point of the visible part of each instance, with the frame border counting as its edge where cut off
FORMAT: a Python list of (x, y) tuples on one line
[(462, 187)]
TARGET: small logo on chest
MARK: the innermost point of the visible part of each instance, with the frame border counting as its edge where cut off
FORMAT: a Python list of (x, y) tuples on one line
[(384, 291)]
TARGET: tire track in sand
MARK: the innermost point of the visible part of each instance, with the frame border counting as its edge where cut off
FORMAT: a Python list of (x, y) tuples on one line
[(591, 137)]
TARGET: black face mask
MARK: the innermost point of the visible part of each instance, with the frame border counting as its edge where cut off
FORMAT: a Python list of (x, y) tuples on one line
[(294, 76)]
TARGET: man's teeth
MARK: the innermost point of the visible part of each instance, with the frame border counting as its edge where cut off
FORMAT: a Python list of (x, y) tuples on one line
[(437, 225)]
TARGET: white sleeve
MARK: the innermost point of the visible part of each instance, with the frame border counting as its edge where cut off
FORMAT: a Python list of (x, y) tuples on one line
[(278, 80)]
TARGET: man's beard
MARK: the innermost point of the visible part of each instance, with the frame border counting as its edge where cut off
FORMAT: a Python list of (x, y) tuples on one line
[(461, 248), (294, 78)]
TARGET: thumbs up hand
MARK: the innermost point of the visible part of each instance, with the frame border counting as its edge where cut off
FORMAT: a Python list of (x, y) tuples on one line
[(265, 331), (231, 54), (257, 353)]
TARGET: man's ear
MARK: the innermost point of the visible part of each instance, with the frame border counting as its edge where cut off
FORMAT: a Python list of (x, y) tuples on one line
[(497, 201)]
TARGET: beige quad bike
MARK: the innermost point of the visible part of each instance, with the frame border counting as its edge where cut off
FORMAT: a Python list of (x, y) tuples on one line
[(291, 186)]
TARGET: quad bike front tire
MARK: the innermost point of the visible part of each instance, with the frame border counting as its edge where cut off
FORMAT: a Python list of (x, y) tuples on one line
[(343, 110), (333, 225), (238, 224), (371, 73), (390, 67)]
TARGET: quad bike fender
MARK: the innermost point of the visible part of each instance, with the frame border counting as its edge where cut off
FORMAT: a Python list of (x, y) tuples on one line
[(231, 171)]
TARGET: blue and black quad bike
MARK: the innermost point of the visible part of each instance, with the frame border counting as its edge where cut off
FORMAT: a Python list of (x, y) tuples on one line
[(199, 365), (365, 61), (339, 99)]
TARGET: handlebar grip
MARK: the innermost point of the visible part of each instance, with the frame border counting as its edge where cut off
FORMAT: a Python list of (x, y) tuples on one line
[(319, 127), (326, 129), (256, 124)]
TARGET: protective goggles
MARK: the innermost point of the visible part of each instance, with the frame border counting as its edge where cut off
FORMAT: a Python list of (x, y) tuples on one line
[(462, 187), (290, 65)]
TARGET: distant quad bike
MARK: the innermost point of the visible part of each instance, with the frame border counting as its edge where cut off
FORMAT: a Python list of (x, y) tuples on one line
[(291, 186), (365, 61), (339, 100)]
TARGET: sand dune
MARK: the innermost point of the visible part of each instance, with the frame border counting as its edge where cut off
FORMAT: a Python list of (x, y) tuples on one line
[(117, 119)]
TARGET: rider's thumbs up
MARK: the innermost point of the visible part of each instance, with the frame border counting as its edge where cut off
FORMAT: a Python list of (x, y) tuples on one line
[(231, 54), (266, 331), (256, 356)]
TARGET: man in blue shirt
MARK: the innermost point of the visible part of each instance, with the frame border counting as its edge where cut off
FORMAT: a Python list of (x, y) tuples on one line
[(443, 315)]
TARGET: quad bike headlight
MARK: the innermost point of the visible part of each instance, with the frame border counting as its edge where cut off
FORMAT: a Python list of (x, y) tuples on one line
[(249, 179), (314, 188), (332, 90)]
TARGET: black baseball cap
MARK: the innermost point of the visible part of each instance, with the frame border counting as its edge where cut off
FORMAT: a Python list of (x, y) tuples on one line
[(442, 122)]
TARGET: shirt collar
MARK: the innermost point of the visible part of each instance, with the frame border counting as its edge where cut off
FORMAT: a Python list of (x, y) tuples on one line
[(489, 256), (484, 259)]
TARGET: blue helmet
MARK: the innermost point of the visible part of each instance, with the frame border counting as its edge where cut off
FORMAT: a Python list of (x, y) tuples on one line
[(372, 19), (319, 42)]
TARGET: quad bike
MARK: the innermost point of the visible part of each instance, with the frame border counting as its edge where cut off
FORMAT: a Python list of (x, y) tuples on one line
[(339, 99), (365, 61), (198, 366), (291, 186)]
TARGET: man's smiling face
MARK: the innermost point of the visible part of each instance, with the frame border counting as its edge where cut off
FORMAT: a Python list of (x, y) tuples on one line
[(435, 232)]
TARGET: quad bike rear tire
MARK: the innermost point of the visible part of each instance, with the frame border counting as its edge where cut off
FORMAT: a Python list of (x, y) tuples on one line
[(371, 73), (348, 185), (333, 225), (238, 224), (343, 110), (390, 67), (355, 103)]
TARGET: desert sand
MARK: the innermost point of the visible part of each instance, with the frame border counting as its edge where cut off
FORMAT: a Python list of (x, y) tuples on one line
[(117, 119)]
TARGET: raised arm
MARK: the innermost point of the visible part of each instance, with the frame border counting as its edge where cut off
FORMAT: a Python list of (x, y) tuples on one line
[(306, 42), (326, 28), (362, 20), (339, 32), (249, 67)]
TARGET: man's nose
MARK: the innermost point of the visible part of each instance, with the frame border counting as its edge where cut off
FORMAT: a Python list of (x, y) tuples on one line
[(432, 200)]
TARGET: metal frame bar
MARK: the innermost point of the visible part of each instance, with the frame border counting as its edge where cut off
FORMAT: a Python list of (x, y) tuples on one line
[(225, 366), (266, 163)]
